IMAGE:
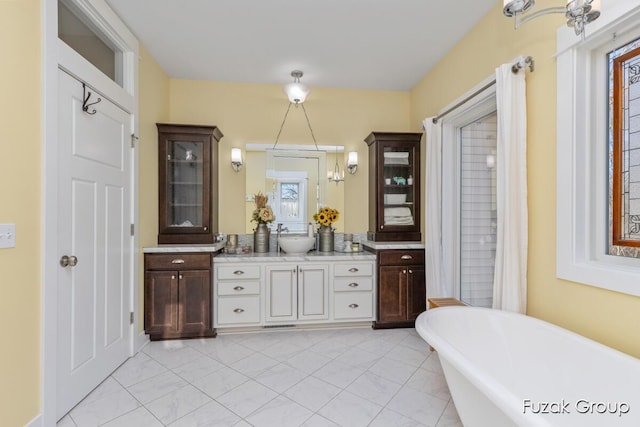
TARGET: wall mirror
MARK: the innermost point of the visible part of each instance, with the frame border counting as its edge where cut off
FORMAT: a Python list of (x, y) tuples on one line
[(295, 180)]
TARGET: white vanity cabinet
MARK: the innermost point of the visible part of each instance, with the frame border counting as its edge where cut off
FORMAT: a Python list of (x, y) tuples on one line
[(353, 285), (238, 291), (269, 290), (296, 292)]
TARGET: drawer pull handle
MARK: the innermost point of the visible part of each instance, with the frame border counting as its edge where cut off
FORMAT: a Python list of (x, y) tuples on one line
[(238, 310), (353, 270), (238, 288), (238, 272), (353, 285), (177, 261), (406, 257), (353, 305)]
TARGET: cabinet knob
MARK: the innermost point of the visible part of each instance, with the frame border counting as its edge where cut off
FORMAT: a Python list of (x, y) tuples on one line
[(410, 271), (382, 227), (353, 306), (404, 271), (180, 276), (238, 288), (238, 272), (353, 270), (173, 277), (177, 261), (238, 310), (353, 285), (206, 228), (406, 257)]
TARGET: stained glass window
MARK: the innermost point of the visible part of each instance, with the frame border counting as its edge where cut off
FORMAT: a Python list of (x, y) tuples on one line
[(624, 147)]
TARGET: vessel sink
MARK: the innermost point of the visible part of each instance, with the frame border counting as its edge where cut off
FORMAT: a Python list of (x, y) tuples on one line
[(296, 245)]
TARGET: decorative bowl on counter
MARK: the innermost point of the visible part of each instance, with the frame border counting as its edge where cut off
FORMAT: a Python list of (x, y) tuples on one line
[(296, 245)]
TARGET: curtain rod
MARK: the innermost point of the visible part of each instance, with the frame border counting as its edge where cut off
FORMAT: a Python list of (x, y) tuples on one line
[(524, 62)]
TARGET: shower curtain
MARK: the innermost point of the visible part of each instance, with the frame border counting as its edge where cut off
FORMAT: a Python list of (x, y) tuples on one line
[(510, 278)]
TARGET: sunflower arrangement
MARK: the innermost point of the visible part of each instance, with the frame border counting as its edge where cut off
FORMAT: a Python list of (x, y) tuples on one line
[(326, 216), (262, 214)]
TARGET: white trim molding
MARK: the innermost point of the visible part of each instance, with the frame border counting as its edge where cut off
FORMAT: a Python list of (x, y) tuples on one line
[(582, 190), (56, 55)]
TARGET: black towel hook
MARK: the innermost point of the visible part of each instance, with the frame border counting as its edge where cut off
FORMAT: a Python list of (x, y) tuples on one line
[(85, 100)]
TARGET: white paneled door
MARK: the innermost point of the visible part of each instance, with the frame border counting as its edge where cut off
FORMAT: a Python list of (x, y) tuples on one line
[(93, 332)]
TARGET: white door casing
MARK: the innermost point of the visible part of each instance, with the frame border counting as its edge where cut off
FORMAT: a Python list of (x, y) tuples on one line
[(57, 55), (93, 224)]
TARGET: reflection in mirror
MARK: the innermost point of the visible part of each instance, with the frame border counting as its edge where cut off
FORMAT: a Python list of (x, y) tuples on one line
[(295, 180)]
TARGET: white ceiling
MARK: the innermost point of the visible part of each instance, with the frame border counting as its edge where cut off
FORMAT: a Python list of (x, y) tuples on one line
[(359, 44)]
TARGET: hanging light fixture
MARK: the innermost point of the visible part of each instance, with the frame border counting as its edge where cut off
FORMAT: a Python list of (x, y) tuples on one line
[(296, 91), (578, 12), (297, 94), (336, 176)]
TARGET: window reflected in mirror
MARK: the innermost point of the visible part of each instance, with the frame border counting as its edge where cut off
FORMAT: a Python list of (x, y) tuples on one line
[(295, 182)]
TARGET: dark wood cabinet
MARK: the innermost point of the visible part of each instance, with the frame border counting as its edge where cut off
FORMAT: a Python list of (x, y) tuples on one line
[(394, 186), (177, 296), (402, 292), (188, 183)]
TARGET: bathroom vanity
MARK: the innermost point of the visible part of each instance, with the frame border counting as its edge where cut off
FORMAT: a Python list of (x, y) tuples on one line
[(271, 290), (178, 291), (194, 290)]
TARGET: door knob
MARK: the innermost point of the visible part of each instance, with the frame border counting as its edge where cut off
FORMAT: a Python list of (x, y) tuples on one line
[(68, 261)]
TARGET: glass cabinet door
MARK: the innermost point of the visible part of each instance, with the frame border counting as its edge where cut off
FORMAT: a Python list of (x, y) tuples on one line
[(185, 172), (398, 197), (188, 183)]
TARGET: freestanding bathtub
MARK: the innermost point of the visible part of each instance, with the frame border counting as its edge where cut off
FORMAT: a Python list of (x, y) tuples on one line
[(507, 369)]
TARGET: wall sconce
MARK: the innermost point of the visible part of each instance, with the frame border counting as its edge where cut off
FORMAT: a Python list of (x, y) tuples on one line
[(578, 12), (236, 159), (352, 162)]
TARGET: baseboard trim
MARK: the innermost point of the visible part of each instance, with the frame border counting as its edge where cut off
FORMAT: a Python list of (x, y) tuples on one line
[(36, 422), (140, 341)]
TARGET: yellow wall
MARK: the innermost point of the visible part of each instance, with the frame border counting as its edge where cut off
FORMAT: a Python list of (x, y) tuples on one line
[(153, 108), (253, 113), (609, 317), (20, 161)]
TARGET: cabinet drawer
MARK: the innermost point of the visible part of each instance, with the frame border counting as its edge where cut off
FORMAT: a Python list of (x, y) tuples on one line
[(351, 284), (353, 305), (238, 287), (353, 269), (401, 257), (238, 310), (238, 272), (177, 261)]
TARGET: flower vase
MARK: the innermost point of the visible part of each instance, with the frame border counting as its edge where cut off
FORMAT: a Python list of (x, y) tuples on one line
[(261, 238), (325, 238)]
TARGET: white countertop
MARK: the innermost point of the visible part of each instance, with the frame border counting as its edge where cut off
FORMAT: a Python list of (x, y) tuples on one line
[(207, 247), (310, 256), (393, 245)]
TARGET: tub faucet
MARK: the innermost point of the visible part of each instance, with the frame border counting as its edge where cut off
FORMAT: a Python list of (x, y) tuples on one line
[(279, 231)]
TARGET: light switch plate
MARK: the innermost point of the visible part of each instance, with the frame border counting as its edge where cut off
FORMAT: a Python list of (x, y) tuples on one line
[(7, 236)]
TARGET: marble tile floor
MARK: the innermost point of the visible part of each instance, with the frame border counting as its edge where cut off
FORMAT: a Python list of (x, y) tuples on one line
[(329, 377)]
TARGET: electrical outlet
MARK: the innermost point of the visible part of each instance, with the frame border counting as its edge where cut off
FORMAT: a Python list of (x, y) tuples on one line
[(7, 235)]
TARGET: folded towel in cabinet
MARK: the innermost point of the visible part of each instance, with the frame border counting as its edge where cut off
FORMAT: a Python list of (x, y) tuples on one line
[(398, 216)]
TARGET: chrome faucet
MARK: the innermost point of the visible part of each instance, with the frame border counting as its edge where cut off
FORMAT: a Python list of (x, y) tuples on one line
[(279, 230)]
